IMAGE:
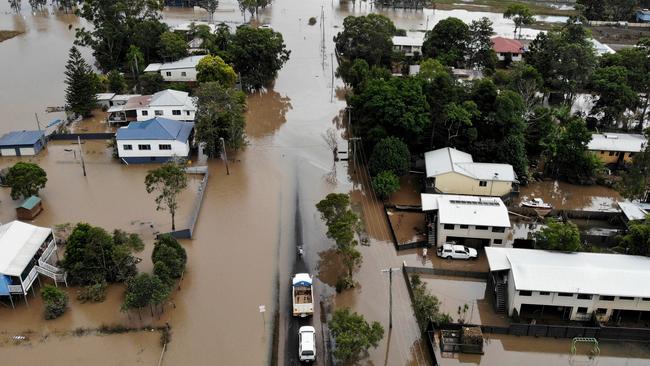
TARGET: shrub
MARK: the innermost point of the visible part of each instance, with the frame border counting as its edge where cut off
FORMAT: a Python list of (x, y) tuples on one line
[(55, 301), (385, 184), (170, 252), (93, 293), (312, 20), (390, 154)]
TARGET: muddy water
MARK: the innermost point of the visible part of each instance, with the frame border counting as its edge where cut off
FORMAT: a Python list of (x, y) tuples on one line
[(572, 197)]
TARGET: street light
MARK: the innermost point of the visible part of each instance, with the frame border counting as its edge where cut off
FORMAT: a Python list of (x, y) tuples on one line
[(390, 295)]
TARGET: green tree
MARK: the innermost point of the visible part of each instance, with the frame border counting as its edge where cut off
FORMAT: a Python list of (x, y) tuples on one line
[(426, 306), (458, 119), (528, 82), (568, 155), (145, 35), (615, 95), (25, 179), (220, 114), (116, 82), (151, 82), (390, 154), (479, 46), (253, 6), (258, 54), (172, 46), (541, 131), (144, 290), (636, 179), (608, 10), (385, 183), (81, 86), (637, 239), (169, 180), (447, 42), (557, 235), (94, 256), (431, 68), (169, 251), (55, 300), (210, 6), (520, 15), (213, 68), (367, 38), (353, 335)]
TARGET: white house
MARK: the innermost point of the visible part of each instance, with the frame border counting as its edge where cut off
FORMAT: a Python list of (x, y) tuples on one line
[(407, 45), (468, 220), (154, 141), (181, 70), (613, 148), (570, 286), (451, 171), (170, 104), (25, 252), (508, 49)]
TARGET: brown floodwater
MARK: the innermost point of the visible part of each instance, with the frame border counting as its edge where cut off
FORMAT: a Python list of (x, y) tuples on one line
[(568, 196), (243, 250)]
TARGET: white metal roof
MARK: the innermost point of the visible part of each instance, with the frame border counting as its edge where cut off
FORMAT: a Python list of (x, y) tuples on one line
[(601, 48), (104, 96), (585, 273), (448, 159), (168, 97), (153, 68), (467, 210), (632, 211), (628, 142), (18, 244), (116, 108), (184, 63), (124, 97), (407, 41)]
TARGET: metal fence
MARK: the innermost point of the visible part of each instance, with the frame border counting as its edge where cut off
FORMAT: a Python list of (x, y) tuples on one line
[(83, 136)]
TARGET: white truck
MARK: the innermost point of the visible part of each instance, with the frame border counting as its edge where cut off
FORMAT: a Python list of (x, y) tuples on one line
[(302, 295)]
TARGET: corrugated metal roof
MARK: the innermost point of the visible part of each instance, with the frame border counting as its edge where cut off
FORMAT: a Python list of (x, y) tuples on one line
[(184, 63), (30, 203), (467, 210), (19, 242), (448, 159), (21, 138), (583, 273), (627, 142), (407, 41), (156, 129), (507, 45), (632, 211), (168, 97)]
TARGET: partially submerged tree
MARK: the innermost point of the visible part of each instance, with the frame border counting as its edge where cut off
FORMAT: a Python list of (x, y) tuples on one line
[(390, 154), (210, 6), (426, 306), (170, 252), (558, 235), (81, 84), (258, 54), (385, 183), (55, 300), (169, 180), (520, 15), (25, 179), (144, 290), (353, 335)]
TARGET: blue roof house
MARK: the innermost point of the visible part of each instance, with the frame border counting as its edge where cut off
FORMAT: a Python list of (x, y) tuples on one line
[(22, 143), (154, 141), (643, 16)]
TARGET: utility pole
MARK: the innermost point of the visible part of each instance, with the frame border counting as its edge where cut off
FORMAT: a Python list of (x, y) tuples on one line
[(332, 62), (224, 154), (390, 295), (38, 123), (83, 165)]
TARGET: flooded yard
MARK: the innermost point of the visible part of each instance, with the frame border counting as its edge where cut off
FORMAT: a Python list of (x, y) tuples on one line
[(409, 227), (568, 196)]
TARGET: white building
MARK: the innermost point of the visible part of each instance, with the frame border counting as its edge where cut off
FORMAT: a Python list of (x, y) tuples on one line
[(407, 45), (468, 220), (570, 286), (613, 148), (181, 70), (154, 141), (25, 252), (508, 49), (451, 171), (170, 104), (601, 48)]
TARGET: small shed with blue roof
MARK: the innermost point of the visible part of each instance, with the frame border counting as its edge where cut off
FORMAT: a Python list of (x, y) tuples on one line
[(154, 141), (22, 143)]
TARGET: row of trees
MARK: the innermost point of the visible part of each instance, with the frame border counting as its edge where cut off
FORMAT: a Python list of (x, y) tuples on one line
[(612, 10)]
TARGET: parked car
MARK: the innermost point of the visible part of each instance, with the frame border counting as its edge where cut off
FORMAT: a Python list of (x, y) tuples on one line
[(453, 251), (307, 344)]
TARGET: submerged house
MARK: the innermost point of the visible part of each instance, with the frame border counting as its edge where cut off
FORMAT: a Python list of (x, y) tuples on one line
[(22, 143), (168, 103), (181, 70), (538, 284), (25, 252), (450, 171), (508, 49), (468, 220), (154, 141), (616, 148)]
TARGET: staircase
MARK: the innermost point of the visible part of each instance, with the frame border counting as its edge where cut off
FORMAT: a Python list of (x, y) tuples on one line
[(55, 273), (501, 292), (432, 234)]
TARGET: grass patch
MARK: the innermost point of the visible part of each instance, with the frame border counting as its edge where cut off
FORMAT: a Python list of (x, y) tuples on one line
[(6, 34), (500, 6)]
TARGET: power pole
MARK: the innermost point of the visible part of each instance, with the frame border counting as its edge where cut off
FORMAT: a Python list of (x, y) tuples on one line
[(224, 154), (38, 123), (390, 295), (83, 165), (332, 62)]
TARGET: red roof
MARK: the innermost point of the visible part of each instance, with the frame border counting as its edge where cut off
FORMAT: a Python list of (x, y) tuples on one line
[(507, 45)]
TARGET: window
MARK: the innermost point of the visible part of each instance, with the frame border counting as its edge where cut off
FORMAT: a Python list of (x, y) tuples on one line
[(183, 73), (127, 147), (481, 227), (450, 226), (144, 147), (625, 298), (168, 73), (187, 112), (498, 230), (464, 226), (601, 311), (565, 294), (611, 153), (525, 293), (158, 112), (584, 297), (606, 298), (602, 152), (646, 299), (176, 112), (482, 183), (164, 147), (582, 310), (631, 154), (544, 293), (498, 241), (145, 113)]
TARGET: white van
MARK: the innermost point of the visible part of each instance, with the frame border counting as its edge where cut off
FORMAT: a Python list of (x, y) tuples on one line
[(307, 344)]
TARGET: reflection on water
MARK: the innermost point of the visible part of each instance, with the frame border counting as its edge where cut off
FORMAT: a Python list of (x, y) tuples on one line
[(267, 111)]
